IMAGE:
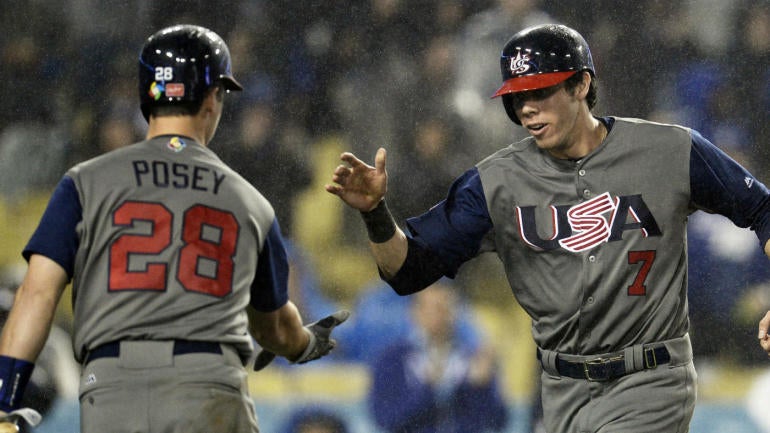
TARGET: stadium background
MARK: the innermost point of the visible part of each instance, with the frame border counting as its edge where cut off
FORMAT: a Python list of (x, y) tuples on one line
[(414, 76)]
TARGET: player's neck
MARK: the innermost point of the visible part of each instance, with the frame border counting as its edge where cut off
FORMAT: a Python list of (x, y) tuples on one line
[(177, 125), (592, 134), (584, 137)]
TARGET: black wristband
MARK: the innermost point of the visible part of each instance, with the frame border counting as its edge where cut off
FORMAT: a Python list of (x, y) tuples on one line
[(379, 223), (14, 376)]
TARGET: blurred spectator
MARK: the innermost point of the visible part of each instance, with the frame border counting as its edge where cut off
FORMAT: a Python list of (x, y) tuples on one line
[(304, 288), (638, 49), (312, 419), (271, 156), (757, 401), (431, 383), (725, 263), (428, 160), (115, 132), (381, 319), (377, 51), (749, 76), (306, 293), (56, 373), (478, 75), (32, 158)]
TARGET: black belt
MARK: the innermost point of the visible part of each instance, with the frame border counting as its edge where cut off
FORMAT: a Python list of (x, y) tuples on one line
[(604, 369), (181, 347)]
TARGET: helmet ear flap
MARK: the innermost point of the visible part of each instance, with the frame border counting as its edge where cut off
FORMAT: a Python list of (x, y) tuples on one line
[(508, 104)]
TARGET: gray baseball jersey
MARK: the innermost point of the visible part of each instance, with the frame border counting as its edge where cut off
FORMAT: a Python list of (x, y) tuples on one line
[(163, 242), (594, 250)]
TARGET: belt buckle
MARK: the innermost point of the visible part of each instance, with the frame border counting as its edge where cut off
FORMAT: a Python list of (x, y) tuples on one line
[(650, 364), (599, 362)]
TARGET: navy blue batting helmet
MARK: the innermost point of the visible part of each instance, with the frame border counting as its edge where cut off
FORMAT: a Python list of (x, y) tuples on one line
[(540, 57), (180, 63)]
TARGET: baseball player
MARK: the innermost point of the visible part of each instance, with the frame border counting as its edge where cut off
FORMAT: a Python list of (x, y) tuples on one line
[(588, 216), (176, 262)]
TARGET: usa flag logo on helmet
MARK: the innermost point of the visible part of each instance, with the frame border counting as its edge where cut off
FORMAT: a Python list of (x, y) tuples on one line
[(520, 64)]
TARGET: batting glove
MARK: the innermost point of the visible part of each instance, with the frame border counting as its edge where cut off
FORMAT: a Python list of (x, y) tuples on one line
[(320, 342), (9, 422)]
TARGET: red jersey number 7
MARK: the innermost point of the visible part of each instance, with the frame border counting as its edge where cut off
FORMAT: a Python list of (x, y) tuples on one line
[(639, 288)]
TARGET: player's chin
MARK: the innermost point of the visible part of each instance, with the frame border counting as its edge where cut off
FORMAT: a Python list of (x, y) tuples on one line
[(546, 143)]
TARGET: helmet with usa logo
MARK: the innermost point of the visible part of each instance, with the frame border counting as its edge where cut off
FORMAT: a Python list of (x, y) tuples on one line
[(178, 64), (540, 57)]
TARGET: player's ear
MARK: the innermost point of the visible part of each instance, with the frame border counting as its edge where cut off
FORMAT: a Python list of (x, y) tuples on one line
[(214, 96), (219, 92), (584, 85)]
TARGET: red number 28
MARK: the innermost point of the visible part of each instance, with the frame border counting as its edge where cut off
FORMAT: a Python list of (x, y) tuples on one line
[(209, 237)]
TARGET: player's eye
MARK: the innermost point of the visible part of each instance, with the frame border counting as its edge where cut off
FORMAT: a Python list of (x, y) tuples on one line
[(534, 95)]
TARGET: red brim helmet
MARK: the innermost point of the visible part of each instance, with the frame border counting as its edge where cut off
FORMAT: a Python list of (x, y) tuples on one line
[(540, 57)]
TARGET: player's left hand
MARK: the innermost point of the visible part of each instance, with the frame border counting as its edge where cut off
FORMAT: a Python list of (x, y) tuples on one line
[(764, 337), (320, 343), (358, 184)]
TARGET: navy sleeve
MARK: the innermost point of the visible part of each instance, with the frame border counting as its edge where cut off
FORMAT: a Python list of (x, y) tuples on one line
[(454, 228), (720, 185), (446, 236), (56, 236), (269, 291)]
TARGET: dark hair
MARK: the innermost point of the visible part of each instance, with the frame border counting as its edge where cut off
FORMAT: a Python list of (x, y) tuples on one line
[(592, 96), (185, 108), (176, 109)]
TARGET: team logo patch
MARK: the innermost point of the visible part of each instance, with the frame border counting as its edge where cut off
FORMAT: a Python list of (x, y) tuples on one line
[(175, 90), (581, 227), (176, 144), (156, 90), (520, 64)]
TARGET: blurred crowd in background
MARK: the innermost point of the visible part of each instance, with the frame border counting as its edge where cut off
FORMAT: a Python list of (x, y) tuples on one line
[(414, 76)]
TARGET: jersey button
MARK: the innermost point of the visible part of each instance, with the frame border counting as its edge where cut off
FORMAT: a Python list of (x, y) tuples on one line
[(587, 193), (582, 172), (590, 300), (591, 259)]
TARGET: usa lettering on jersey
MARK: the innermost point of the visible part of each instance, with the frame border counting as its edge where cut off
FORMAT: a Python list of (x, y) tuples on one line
[(583, 226)]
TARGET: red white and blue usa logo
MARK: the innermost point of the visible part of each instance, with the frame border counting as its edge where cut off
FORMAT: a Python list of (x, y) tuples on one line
[(520, 64), (583, 226)]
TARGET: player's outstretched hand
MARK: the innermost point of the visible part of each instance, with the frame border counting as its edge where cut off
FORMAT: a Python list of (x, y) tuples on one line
[(764, 337), (320, 344), (358, 184)]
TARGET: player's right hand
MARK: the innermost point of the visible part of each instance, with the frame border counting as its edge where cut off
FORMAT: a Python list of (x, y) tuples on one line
[(358, 184), (320, 343)]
